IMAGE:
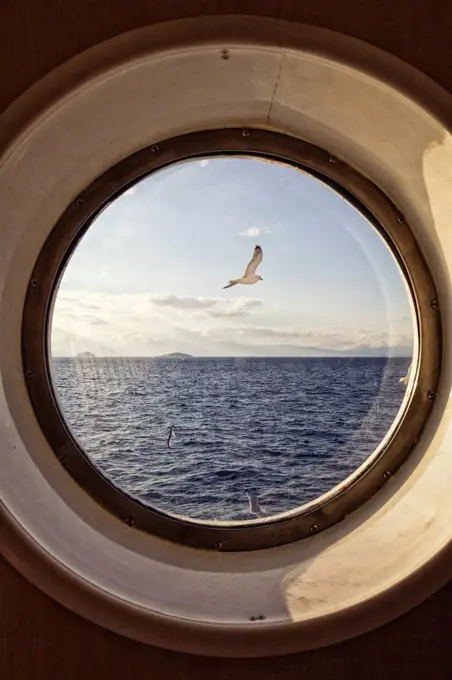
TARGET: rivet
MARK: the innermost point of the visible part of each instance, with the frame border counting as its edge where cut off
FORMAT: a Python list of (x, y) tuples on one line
[(332, 159), (400, 219), (314, 529), (34, 283), (63, 460), (130, 521), (225, 54), (79, 202), (154, 148), (29, 373), (387, 474), (434, 304), (261, 617), (245, 133), (252, 618), (218, 545), (431, 394)]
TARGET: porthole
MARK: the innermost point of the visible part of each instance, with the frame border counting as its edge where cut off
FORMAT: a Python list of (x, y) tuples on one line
[(274, 409)]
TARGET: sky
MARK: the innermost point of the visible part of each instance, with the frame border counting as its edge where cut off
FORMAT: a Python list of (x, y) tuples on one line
[(147, 278)]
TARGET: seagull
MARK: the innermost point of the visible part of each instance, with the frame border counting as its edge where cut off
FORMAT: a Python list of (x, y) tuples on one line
[(250, 275), (405, 379), (170, 429), (255, 508)]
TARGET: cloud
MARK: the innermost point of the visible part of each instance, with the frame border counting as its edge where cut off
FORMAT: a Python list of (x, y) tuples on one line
[(328, 338), (64, 343), (169, 300), (238, 307), (216, 307), (142, 324), (254, 232), (251, 232), (96, 321)]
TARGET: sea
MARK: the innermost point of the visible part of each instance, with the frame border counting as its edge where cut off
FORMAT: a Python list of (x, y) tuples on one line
[(287, 429)]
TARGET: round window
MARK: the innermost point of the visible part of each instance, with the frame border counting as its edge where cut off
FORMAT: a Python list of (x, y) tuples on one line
[(232, 349)]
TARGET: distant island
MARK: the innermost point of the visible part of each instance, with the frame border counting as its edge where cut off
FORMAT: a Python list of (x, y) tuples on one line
[(174, 355), (298, 353), (308, 353), (179, 356)]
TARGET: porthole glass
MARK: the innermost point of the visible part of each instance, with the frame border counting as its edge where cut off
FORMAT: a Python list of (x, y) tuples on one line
[(230, 342)]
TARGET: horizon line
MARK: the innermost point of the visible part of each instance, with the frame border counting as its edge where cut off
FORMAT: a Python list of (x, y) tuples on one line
[(245, 356)]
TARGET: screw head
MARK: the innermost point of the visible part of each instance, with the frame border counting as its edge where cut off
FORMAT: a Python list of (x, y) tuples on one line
[(29, 373), (245, 133), (434, 304), (225, 54), (154, 148), (261, 617), (218, 545), (387, 474), (431, 394), (130, 521), (34, 283), (79, 202), (252, 618), (314, 529), (400, 219), (332, 159)]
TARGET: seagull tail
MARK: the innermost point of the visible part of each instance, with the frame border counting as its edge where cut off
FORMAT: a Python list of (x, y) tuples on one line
[(231, 283)]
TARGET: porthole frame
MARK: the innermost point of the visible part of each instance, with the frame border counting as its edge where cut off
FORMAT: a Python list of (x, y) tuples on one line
[(359, 487)]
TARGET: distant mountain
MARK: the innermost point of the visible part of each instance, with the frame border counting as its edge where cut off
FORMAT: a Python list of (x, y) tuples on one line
[(85, 355), (175, 355), (304, 352)]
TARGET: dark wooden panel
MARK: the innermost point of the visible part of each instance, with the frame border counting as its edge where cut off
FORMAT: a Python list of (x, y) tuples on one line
[(417, 31), (38, 36), (40, 640), (42, 34)]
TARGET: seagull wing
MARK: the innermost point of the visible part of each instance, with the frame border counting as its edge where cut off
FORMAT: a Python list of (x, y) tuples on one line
[(170, 436), (255, 508), (254, 262), (407, 376)]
